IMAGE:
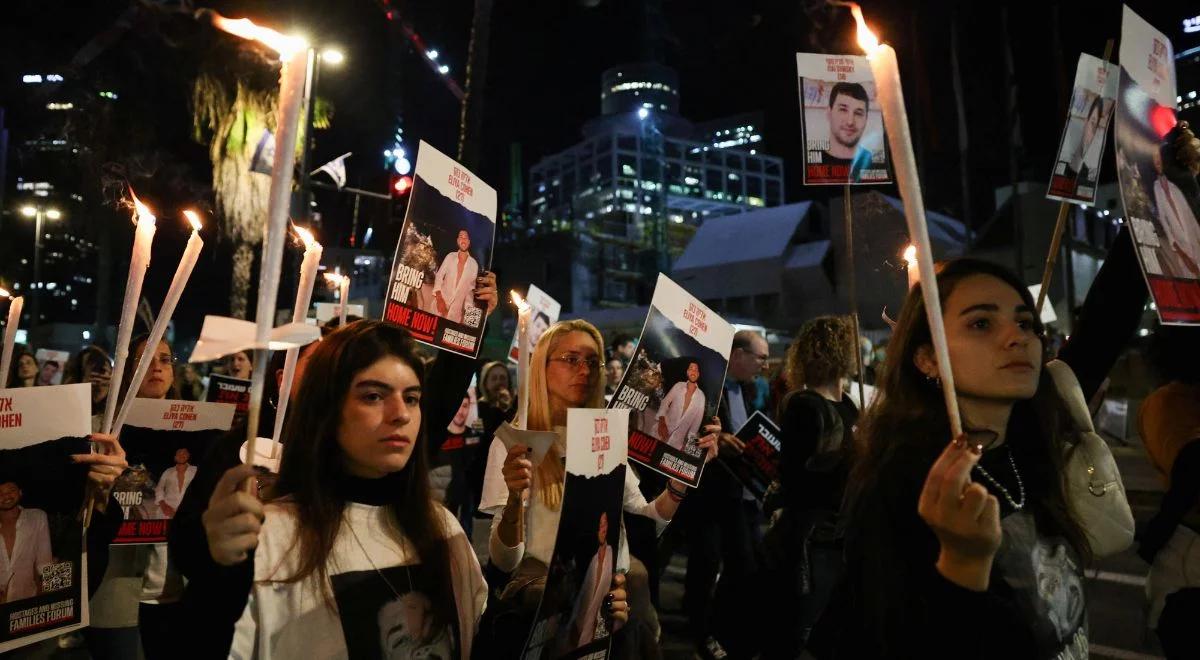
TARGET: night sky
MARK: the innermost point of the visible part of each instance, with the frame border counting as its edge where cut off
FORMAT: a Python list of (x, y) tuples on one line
[(543, 82)]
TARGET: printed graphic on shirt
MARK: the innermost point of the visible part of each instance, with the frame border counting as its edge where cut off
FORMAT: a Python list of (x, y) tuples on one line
[(674, 382), (572, 621), (445, 244), (397, 613), (1161, 198), (42, 561), (1046, 577), (1077, 168), (841, 121)]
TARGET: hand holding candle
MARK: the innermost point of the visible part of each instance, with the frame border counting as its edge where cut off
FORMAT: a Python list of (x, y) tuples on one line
[(308, 279), (523, 313), (183, 272), (10, 334), (895, 119), (138, 262)]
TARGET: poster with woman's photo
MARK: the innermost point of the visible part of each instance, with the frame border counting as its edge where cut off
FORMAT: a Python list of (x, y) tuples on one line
[(1160, 196), (445, 244), (674, 382), (545, 314), (164, 441), (571, 621), (397, 613), (43, 565), (841, 121), (50, 366), (1079, 152)]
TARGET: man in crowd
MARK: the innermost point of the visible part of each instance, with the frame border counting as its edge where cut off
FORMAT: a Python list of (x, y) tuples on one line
[(623, 347)]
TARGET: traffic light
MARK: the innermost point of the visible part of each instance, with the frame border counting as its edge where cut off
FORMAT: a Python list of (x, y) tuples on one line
[(401, 185)]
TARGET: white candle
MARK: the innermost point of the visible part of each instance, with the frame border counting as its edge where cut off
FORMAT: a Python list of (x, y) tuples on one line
[(344, 297), (523, 314), (891, 100), (308, 279), (138, 262), (10, 336), (913, 267), (183, 272)]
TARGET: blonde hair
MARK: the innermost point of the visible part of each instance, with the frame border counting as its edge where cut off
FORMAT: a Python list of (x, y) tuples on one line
[(549, 476)]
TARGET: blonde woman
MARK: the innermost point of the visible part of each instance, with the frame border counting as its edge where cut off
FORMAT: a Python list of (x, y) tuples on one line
[(564, 372)]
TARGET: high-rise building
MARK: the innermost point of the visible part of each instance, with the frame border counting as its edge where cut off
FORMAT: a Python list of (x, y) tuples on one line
[(631, 194)]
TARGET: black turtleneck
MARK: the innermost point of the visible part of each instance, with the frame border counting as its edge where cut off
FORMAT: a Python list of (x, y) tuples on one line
[(373, 492)]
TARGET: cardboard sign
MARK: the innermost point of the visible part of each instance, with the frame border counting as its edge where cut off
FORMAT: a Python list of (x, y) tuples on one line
[(1159, 195), (445, 245), (675, 381), (221, 336), (758, 464), (1077, 168), (545, 314), (841, 121), (43, 583), (169, 415), (570, 621)]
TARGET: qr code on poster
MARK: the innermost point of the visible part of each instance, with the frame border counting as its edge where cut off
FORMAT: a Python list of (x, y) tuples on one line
[(57, 576), (472, 316)]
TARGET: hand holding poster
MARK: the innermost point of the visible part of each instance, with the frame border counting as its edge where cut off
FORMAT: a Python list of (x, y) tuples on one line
[(758, 464), (445, 244), (571, 621), (43, 566), (841, 121), (545, 314), (674, 382), (1082, 146), (1161, 198)]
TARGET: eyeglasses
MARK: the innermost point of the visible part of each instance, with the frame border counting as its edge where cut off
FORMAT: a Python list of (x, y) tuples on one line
[(760, 358), (164, 360), (574, 361)]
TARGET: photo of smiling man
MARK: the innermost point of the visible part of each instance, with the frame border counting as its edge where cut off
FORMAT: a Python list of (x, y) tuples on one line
[(841, 121)]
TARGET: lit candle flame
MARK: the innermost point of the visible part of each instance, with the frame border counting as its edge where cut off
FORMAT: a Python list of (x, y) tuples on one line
[(245, 28), (866, 38), (142, 212), (334, 279), (4, 293), (307, 237), (517, 300), (193, 218), (910, 254)]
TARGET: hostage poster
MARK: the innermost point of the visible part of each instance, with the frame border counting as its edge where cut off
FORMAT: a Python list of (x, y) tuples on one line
[(841, 121), (674, 381), (1161, 197), (43, 564), (445, 244), (571, 621), (545, 314), (164, 441), (758, 464), (1077, 167)]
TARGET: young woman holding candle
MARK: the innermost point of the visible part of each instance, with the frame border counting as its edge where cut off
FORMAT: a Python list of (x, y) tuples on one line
[(976, 537), (564, 372), (349, 532)]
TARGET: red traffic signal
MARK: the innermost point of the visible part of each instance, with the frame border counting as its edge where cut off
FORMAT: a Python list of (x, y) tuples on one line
[(401, 185)]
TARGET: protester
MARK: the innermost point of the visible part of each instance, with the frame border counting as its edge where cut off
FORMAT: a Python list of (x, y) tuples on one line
[(240, 365), (564, 372), (24, 369), (496, 406), (722, 521), (350, 508), (91, 365), (943, 555), (816, 426), (191, 385), (614, 369), (1169, 425), (623, 347)]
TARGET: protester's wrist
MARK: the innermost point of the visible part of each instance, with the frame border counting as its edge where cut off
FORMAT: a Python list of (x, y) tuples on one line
[(971, 573), (676, 494)]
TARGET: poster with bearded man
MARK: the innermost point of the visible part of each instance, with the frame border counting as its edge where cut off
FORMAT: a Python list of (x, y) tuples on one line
[(841, 121)]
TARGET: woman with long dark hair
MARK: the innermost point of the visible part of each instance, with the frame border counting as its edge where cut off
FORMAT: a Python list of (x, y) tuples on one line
[(91, 365), (969, 547), (24, 369), (350, 526)]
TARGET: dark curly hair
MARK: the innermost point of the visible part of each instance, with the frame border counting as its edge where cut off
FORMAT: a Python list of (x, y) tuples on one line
[(822, 352)]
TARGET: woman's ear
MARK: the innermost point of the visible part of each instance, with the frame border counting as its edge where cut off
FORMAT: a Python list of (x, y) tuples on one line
[(926, 361)]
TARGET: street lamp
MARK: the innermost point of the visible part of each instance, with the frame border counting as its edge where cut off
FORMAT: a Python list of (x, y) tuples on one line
[(334, 57), (38, 213)]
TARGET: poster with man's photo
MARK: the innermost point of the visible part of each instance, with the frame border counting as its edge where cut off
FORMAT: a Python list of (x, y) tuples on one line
[(544, 314), (571, 621), (758, 464), (841, 121), (445, 244), (51, 365), (674, 382), (43, 563), (1077, 167), (164, 441), (399, 612), (1160, 196)]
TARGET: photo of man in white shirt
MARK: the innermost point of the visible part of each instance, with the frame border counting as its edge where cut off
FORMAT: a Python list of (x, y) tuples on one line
[(173, 483), (454, 285), (24, 546), (1181, 240)]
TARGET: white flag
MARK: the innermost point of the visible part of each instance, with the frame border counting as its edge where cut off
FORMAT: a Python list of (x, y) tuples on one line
[(336, 169)]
